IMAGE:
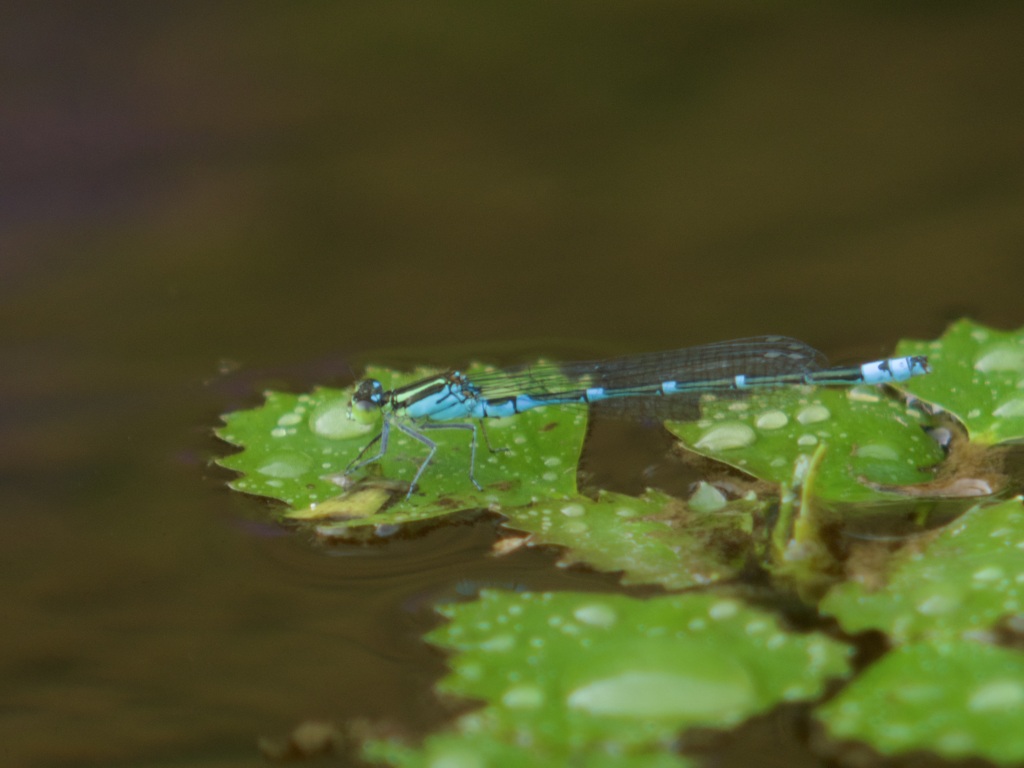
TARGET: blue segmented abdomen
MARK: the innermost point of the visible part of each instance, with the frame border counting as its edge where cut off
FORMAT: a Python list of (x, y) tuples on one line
[(894, 369)]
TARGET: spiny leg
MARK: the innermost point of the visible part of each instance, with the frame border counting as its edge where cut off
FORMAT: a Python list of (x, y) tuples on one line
[(431, 445), (472, 449), (382, 436), (419, 437), (487, 441)]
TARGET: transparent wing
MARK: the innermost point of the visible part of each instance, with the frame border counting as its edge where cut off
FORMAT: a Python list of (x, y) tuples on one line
[(756, 356)]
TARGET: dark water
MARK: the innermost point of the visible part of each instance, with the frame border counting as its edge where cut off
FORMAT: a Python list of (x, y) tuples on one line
[(204, 200)]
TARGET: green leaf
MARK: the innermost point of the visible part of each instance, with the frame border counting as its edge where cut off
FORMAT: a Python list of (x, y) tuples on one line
[(965, 580), (482, 750), (872, 443), (978, 375), (296, 447), (958, 699), (566, 671), (653, 539)]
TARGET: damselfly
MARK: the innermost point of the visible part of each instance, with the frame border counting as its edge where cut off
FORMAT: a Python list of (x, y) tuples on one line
[(661, 384)]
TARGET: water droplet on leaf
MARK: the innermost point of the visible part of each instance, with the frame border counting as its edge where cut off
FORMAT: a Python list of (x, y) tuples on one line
[(774, 419), (812, 414), (285, 465), (596, 615), (1001, 359), (726, 436)]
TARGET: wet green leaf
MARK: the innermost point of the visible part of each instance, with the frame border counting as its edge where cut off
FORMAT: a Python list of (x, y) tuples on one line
[(872, 443), (957, 698), (296, 447), (978, 375), (482, 750), (966, 579), (653, 539), (567, 671)]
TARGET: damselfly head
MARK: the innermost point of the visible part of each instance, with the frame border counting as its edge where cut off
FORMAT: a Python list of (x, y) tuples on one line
[(366, 402)]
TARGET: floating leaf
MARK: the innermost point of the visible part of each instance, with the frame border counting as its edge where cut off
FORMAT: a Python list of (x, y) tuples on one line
[(653, 539), (968, 578), (978, 375), (870, 440), (957, 698), (296, 447), (567, 671), (482, 750)]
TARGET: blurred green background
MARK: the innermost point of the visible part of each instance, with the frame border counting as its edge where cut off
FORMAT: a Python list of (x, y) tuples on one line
[(199, 200)]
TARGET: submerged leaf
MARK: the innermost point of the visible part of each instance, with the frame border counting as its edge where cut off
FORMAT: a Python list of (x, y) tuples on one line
[(653, 539)]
